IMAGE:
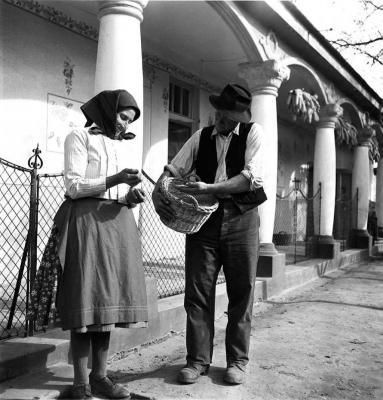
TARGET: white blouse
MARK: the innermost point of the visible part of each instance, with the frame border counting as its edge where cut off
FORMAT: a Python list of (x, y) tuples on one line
[(88, 160)]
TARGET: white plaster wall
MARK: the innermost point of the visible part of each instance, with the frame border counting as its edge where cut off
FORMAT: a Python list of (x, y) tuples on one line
[(32, 60), (156, 119), (206, 110)]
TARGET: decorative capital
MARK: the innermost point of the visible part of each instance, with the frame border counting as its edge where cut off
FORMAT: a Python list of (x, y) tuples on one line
[(270, 46), (328, 115), (133, 8), (265, 77), (365, 135)]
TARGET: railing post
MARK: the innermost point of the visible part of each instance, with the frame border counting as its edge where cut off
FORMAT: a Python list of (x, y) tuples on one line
[(35, 162)]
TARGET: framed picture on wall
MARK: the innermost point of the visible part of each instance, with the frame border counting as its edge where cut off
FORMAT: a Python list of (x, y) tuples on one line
[(63, 116)]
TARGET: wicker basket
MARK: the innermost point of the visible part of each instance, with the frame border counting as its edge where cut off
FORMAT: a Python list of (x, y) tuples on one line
[(191, 212)]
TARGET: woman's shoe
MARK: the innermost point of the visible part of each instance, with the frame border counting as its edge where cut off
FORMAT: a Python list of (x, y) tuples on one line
[(80, 392), (106, 387)]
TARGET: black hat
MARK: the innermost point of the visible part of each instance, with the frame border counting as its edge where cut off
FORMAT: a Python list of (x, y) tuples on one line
[(235, 100)]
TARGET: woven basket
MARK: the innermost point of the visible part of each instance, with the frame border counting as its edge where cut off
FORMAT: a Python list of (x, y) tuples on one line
[(191, 211)]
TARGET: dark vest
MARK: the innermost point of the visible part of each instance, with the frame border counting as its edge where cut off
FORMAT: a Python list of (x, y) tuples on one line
[(206, 164)]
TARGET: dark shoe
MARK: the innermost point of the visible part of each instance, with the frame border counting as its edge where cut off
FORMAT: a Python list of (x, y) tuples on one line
[(80, 392), (191, 372), (235, 374), (106, 387)]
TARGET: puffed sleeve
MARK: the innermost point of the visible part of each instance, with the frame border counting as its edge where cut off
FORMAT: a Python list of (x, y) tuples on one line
[(75, 166)]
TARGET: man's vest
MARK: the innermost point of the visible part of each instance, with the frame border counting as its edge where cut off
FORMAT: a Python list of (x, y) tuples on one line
[(206, 164)]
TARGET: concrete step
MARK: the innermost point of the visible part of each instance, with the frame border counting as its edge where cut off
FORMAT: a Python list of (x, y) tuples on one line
[(52, 383)]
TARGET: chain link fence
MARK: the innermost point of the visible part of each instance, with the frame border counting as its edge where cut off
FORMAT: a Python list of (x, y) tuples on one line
[(28, 203), (163, 250), (295, 216)]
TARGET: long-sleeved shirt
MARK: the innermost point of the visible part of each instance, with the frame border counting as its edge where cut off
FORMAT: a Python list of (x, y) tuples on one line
[(184, 162), (88, 159)]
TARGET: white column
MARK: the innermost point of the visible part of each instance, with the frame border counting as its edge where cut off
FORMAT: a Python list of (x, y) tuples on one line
[(325, 169), (264, 80), (119, 61), (361, 177), (379, 195)]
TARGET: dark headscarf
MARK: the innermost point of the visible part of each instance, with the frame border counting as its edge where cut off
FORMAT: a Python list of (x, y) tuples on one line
[(102, 110)]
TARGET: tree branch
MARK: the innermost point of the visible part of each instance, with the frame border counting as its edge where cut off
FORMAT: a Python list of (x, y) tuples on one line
[(345, 43)]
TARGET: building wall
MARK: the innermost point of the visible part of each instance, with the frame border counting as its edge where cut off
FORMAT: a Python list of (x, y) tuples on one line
[(33, 55)]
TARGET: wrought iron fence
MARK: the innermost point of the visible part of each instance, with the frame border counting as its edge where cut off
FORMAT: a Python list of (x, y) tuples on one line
[(295, 216), (345, 219)]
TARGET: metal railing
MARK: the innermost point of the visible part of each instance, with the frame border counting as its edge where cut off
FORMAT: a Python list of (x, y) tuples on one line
[(345, 220), (295, 216)]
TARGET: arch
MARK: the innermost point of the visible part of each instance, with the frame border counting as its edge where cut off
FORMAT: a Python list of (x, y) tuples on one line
[(294, 63), (241, 29), (351, 111)]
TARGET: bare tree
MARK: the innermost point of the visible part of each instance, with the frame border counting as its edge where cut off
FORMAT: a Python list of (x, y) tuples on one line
[(367, 39)]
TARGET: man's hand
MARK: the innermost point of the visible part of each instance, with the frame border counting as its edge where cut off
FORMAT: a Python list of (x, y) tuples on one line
[(135, 195), (162, 205), (194, 187)]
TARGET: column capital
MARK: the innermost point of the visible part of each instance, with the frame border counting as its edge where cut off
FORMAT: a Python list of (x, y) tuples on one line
[(328, 115), (133, 8), (365, 135), (265, 77)]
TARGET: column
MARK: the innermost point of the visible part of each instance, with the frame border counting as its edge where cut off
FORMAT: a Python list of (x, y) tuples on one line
[(325, 176), (361, 189), (379, 198), (264, 80), (119, 61)]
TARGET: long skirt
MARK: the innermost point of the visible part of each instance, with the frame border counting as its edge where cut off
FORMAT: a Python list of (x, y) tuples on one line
[(101, 283)]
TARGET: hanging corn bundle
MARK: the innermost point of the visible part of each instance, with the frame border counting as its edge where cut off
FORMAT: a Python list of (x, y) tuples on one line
[(345, 133), (303, 105), (373, 148)]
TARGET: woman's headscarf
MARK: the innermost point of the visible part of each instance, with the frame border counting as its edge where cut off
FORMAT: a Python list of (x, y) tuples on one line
[(102, 110)]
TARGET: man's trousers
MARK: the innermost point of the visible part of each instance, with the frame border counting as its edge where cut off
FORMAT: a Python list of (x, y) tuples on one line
[(229, 240)]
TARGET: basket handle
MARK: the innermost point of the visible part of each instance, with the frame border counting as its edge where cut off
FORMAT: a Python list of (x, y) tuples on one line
[(194, 201)]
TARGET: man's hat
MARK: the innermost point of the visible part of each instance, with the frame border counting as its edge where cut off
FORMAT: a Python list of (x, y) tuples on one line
[(235, 101)]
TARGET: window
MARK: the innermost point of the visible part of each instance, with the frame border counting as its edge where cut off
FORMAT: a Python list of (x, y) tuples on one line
[(179, 100), (181, 116)]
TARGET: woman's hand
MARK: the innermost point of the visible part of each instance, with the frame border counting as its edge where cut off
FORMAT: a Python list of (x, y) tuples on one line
[(135, 195), (130, 176)]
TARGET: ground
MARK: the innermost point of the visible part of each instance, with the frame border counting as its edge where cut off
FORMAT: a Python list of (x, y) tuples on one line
[(322, 341)]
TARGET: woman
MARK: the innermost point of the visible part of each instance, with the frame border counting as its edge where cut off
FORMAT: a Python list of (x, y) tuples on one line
[(95, 242)]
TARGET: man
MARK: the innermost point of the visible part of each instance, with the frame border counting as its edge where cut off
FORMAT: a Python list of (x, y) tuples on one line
[(227, 159)]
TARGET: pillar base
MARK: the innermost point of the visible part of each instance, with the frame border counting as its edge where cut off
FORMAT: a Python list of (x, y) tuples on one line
[(326, 247), (270, 263), (361, 239)]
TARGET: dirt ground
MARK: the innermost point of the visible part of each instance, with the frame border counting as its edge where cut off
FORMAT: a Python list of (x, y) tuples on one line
[(323, 341)]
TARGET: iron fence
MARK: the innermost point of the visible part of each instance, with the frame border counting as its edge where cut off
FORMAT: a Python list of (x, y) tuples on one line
[(345, 220), (295, 216)]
